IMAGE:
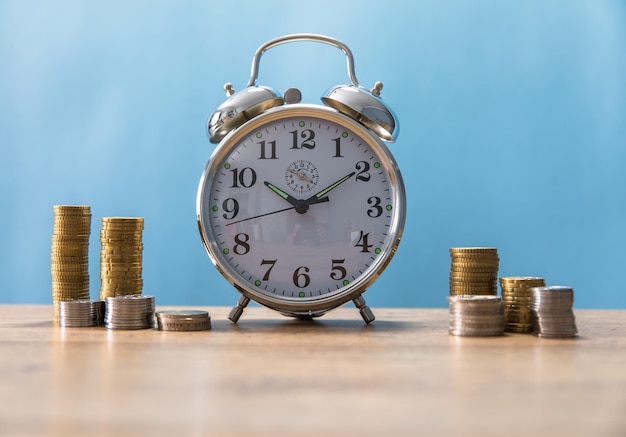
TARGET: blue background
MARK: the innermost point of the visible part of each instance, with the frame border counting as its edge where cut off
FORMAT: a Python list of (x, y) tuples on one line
[(512, 114)]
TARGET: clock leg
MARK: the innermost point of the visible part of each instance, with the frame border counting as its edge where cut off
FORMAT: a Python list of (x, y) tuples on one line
[(237, 310), (366, 312)]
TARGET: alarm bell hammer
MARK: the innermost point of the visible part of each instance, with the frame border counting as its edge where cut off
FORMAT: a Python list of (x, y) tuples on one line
[(355, 101)]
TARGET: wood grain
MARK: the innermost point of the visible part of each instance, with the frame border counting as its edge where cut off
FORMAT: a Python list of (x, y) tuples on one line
[(335, 376)]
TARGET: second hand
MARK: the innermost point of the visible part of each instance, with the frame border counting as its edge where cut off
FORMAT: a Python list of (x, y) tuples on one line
[(261, 215)]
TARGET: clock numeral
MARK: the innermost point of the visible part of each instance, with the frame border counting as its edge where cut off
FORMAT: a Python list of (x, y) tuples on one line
[(307, 136), (300, 278), (271, 263), (241, 246), (338, 272), (376, 210), (231, 206), (363, 242), (272, 145), (244, 178), (337, 148), (363, 174)]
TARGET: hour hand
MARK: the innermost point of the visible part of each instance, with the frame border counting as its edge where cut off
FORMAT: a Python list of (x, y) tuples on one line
[(288, 197)]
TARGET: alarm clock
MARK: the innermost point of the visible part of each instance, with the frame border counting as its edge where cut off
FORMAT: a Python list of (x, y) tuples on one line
[(301, 206)]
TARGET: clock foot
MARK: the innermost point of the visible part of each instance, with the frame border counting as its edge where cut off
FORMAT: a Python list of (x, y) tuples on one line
[(366, 312), (237, 310)]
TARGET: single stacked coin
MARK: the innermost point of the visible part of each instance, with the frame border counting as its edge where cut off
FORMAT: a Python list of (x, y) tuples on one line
[(133, 311), (476, 316), (552, 312), (81, 313), (183, 320), (121, 256), (474, 271), (69, 254), (516, 298)]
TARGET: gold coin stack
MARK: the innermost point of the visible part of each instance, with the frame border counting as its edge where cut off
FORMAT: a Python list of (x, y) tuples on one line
[(121, 256), (69, 255), (474, 271), (516, 296)]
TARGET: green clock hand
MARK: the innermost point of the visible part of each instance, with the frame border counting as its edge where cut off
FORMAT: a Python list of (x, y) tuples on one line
[(300, 205), (315, 198), (288, 197)]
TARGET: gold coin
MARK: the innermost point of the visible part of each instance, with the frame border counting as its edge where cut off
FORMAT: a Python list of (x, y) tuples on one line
[(81, 219), (116, 266), (479, 262), (516, 299), (71, 208), (473, 250), (517, 289), (123, 238), (472, 284), (122, 219), (480, 274), (122, 223), (70, 238), (477, 281), (474, 255), (521, 279), (475, 268), (472, 290)]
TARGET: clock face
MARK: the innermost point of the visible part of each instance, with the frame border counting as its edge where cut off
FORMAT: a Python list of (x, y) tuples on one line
[(301, 208)]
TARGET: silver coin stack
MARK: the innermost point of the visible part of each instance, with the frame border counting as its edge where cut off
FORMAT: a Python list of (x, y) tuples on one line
[(81, 313), (133, 311), (551, 312), (476, 316), (183, 320)]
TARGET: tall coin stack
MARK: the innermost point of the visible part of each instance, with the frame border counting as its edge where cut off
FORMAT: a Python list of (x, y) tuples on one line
[(552, 313), (69, 255), (516, 297), (476, 316), (474, 271), (121, 256)]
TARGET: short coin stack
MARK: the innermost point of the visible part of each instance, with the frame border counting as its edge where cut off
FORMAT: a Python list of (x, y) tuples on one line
[(81, 312), (552, 313), (135, 311), (69, 255), (183, 320), (474, 271), (516, 297), (121, 256), (476, 316)]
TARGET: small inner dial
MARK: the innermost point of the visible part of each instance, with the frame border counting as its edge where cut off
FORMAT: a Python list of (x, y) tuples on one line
[(301, 176)]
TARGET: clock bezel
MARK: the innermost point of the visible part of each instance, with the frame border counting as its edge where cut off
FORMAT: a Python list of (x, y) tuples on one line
[(288, 305)]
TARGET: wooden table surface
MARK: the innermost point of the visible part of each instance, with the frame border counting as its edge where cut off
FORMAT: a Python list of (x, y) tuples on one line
[(274, 376)]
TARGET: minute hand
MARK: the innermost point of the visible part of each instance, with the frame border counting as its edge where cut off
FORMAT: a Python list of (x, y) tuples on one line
[(329, 188)]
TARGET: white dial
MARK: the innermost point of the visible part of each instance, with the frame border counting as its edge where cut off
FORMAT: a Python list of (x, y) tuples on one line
[(301, 208)]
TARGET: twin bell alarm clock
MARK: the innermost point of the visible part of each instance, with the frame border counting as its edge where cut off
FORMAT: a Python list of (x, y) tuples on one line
[(301, 206)]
